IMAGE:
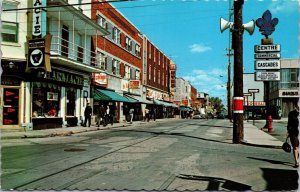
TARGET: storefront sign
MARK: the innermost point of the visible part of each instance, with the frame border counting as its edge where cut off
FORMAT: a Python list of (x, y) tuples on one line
[(288, 93), (134, 84), (267, 48), (256, 103), (185, 102), (100, 79), (267, 76), (37, 19), (267, 55), (36, 50), (267, 64), (64, 77)]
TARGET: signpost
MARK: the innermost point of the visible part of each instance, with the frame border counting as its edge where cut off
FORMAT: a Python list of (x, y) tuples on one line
[(247, 95), (253, 91)]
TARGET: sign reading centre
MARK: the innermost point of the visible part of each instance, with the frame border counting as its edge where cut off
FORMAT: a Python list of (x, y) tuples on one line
[(267, 64), (267, 48)]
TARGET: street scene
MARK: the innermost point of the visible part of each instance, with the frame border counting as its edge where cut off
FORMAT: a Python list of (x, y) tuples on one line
[(133, 95), (182, 154)]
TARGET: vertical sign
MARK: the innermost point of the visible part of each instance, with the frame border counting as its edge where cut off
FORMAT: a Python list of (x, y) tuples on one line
[(38, 19)]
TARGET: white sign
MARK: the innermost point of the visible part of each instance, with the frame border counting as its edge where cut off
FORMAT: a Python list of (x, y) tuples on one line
[(267, 76), (267, 64), (288, 93), (253, 90), (269, 55), (266, 48)]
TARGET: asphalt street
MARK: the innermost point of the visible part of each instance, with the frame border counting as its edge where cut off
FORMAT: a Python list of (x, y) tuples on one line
[(175, 155)]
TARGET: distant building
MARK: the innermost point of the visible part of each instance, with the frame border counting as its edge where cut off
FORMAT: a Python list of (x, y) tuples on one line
[(183, 92)]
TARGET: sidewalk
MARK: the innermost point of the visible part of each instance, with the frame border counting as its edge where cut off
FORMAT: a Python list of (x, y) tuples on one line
[(252, 135)]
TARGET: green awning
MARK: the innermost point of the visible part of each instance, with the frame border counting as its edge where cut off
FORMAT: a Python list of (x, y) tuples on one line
[(107, 95), (139, 99), (131, 100), (184, 108)]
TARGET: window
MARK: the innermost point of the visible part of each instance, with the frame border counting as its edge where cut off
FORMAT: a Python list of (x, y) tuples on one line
[(158, 79), (10, 32), (127, 72), (137, 75), (137, 50), (128, 44), (115, 67), (102, 61), (102, 22), (154, 74), (116, 35), (10, 26)]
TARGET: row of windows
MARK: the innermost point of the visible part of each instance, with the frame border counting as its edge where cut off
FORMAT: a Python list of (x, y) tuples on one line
[(288, 80), (116, 37)]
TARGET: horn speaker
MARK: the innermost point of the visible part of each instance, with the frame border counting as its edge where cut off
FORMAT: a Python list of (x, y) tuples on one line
[(225, 25), (249, 27)]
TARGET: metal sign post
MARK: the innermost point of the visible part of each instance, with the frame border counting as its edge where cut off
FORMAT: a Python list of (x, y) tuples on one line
[(253, 91)]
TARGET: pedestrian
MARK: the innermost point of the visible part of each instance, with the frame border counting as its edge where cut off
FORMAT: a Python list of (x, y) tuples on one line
[(293, 132), (146, 115), (131, 111), (87, 115), (101, 115), (154, 113)]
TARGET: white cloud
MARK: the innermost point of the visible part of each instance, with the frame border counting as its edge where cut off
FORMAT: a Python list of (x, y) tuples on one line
[(283, 6), (199, 48)]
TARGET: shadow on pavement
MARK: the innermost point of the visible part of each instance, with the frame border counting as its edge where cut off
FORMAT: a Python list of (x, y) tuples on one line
[(215, 183), (271, 161), (173, 134), (280, 179)]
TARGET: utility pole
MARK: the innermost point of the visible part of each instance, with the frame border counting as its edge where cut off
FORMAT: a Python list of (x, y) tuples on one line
[(229, 54), (237, 42)]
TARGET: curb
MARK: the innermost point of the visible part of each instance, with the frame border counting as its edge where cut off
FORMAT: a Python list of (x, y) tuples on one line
[(260, 145)]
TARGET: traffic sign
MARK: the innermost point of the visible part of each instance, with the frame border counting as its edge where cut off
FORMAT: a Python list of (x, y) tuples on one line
[(268, 55), (253, 90), (267, 64), (267, 76), (266, 48), (247, 94)]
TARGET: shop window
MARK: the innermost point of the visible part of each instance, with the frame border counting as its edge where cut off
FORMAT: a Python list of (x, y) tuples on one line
[(46, 100), (71, 99)]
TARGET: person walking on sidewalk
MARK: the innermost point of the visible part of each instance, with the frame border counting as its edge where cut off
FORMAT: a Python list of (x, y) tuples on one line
[(87, 115), (131, 111), (293, 132), (147, 118)]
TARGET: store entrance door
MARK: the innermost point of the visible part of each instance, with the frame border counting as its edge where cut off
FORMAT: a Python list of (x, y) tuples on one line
[(10, 106)]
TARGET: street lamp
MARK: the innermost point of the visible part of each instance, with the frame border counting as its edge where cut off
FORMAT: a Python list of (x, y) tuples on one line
[(237, 29)]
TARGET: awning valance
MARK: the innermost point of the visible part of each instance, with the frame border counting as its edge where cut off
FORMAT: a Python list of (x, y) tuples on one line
[(166, 104), (139, 99), (107, 95)]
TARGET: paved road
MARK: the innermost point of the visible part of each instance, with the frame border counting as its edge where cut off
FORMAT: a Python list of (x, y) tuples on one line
[(182, 155)]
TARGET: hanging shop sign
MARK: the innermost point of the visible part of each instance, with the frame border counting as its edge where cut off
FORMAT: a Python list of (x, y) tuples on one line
[(134, 84), (37, 19), (185, 102), (100, 79), (267, 76), (267, 64)]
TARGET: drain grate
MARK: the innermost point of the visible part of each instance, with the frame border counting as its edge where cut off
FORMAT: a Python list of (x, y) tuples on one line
[(74, 150)]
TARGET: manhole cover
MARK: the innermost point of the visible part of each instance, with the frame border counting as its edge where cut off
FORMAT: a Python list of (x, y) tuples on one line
[(74, 150)]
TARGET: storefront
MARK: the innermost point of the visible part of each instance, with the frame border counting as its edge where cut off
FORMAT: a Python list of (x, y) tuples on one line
[(56, 98), (12, 81)]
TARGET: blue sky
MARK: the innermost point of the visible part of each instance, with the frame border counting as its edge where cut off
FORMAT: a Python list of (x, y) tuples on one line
[(188, 32)]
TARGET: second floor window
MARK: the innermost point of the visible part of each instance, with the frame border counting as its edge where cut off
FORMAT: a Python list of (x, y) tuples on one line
[(137, 75), (116, 35), (138, 50), (127, 72), (128, 44), (101, 21), (115, 67), (10, 26), (102, 61)]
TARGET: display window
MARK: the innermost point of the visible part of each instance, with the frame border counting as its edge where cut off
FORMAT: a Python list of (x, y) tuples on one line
[(45, 99)]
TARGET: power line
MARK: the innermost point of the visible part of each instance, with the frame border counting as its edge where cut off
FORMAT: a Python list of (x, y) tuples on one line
[(67, 5)]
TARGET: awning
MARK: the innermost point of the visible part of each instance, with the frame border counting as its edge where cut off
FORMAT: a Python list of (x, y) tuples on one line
[(107, 95), (139, 99), (166, 104), (184, 108)]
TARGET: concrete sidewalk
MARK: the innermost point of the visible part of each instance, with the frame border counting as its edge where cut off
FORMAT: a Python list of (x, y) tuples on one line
[(252, 135)]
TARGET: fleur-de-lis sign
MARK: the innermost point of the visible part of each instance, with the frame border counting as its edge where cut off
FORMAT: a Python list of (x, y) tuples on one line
[(266, 24)]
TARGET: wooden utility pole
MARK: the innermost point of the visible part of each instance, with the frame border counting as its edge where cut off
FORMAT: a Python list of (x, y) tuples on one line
[(237, 42)]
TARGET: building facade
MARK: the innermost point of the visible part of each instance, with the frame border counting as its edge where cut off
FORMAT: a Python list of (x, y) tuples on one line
[(285, 93)]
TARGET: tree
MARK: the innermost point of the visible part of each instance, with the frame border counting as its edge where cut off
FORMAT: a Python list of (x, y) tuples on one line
[(217, 104)]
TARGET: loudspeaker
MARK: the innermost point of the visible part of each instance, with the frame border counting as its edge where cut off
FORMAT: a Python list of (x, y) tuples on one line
[(225, 24), (249, 27)]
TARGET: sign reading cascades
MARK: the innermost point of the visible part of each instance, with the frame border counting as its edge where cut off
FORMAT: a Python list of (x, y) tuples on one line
[(267, 64)]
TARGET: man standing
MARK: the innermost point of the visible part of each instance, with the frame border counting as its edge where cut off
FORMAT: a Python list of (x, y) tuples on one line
[(101, 114), (293, 131), (87, 115)]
